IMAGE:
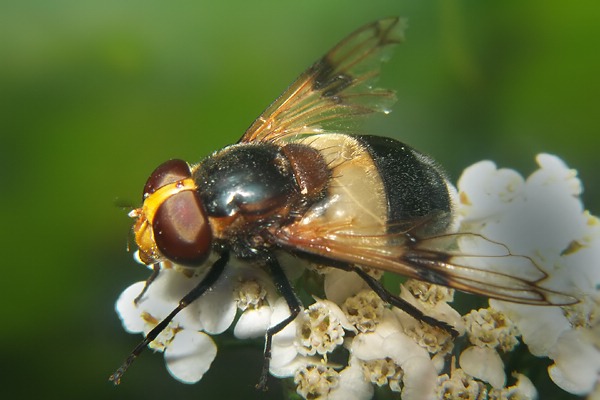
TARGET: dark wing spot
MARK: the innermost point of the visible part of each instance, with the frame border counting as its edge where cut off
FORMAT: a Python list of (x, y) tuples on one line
[(329, 84)]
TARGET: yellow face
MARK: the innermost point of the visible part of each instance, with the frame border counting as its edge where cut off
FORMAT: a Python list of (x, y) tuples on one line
[(143, 228)]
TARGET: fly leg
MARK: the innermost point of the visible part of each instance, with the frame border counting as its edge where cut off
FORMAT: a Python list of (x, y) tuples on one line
[(382, 292), (285, 288), (404, 305), (151, 278), (206, 283)]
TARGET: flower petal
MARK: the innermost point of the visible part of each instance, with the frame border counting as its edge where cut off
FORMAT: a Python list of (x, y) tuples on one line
[(128, 311), (339, 285), (387, 340), (289, 369), (217, 309), (352, 384), (419, 379), (189, 356), (577, 362), (524, 386), (484, 363), (253, 323), (283, 349), (554, 172), (485, 190), (540, 327), (403, 349)]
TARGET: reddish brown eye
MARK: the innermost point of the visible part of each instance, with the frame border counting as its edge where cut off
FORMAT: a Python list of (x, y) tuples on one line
[(168, 172), (181, 229)]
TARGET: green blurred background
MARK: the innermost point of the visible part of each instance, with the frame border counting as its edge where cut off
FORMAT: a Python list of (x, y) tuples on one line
[(95, 94)]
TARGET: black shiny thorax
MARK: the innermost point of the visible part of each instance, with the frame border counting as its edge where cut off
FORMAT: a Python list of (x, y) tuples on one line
[(248, 189), (251, 188), (245, 179)]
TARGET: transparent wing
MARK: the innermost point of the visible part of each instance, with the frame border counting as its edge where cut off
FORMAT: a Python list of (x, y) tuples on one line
[(487, 268), (334, 89)]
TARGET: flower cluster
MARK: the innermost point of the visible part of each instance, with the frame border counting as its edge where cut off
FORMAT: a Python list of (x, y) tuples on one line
[(345, 344), (542, 217)]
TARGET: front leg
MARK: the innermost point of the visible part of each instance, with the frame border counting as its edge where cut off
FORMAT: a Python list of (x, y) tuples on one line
[(206, 283), (151, 278)]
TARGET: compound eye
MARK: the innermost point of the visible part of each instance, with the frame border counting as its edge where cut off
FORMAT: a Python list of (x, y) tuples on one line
[(181, 229), (168, 172)]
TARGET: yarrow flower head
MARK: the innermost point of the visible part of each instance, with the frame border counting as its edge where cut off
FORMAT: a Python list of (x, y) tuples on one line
[(542, 217), (347, 340), (491, 328), (364, 310)]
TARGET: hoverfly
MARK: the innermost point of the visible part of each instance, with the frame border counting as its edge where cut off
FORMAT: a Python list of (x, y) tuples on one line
[(293, 184)]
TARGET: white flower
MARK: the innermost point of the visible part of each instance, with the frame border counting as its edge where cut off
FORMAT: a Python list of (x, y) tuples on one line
[(487, 329), (254, 295), (491, 328), (340, 285), (382, 372), (542, 217), (432, 303), (388, 341), (341, 346), (459, 385), (317, 331), (484, 363), (188, 352), (523, 389), (189, 355), (364, 310), (485, 191), (352, 384), (316, 381), (576, 358)]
